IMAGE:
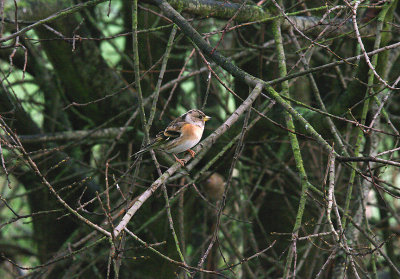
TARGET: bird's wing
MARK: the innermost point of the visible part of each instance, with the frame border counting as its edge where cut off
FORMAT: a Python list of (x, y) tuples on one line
[(173, 130)]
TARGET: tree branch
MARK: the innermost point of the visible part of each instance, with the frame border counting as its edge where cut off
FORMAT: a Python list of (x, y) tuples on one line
[(204, 144)]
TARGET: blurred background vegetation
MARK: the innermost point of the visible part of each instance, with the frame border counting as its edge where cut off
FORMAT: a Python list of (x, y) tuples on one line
[(69, 105)]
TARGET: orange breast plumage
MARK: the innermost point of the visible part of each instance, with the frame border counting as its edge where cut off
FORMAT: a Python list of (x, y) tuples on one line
[(190, 136)]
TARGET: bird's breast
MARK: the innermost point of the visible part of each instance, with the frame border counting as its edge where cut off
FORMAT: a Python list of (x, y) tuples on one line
[(190, 136)]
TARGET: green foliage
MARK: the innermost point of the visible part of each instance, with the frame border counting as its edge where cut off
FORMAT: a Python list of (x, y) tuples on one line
[(260, 193)]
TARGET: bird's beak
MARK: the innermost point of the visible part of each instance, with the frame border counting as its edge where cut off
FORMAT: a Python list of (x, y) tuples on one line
[(206, 118)]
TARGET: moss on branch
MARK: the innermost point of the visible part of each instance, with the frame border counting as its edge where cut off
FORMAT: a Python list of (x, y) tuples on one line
[(220, 9)]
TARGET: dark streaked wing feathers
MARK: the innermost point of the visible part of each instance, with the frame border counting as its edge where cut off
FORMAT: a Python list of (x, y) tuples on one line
[(170, 133)]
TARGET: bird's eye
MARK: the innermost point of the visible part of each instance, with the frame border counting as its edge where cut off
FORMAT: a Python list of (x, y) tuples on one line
[(201, 117)]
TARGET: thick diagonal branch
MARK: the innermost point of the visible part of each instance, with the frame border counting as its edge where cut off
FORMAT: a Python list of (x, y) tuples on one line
[(204, 144), (223, 62)]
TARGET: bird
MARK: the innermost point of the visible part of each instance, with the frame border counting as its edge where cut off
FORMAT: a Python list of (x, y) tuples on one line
[(180, 135)]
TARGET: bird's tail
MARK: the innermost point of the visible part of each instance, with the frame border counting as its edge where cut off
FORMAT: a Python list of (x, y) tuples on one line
[(151, 145), (140, 152)]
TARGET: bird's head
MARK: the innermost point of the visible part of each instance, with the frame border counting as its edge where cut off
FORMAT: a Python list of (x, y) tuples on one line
[(196, 117)]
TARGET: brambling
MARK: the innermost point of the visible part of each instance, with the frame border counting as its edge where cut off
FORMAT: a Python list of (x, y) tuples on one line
[(180, 135)]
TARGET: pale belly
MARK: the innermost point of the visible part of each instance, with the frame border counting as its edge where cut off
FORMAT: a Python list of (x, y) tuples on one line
[(187, 142), (184, 146)]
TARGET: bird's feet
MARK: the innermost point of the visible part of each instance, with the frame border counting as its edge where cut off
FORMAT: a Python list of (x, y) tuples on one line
[(180, 161), (192, 153)]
